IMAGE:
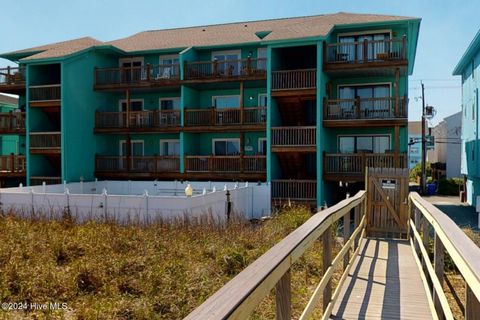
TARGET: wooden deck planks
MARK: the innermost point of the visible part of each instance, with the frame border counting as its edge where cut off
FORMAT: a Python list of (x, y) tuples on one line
[(384, 283)]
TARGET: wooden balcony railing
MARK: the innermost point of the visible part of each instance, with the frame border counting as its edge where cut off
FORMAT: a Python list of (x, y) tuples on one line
[(294, 79), (355, 163), (38, 180), (12, 76), (300, 190), (294, 136), (230, 164), (45, 92), (136, 75), (137, 164), (367, 51), (241, 68), (12, 164), (12, 122), (45, 140), (137, 119), (223, 117), (365, 108)]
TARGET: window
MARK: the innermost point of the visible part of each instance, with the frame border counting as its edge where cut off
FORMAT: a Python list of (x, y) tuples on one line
[(262, 54), (170, 103), (354, 144), (222, 102), (135, 105), (169, 147), (355, 51), (168, 67), (226, 147), (262, 146), (228, 62), (136, 147), (262, 100)]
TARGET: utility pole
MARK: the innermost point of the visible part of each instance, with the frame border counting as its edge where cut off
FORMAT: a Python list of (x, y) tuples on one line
[(423, 181)]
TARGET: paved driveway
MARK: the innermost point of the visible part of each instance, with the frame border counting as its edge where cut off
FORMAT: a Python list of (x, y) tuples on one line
[(463, 214)]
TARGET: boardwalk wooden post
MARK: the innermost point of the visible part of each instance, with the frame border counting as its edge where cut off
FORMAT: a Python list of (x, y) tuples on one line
[(327, 261), (283, 297), (472, 305), (356, 221), (346, 236), (438, 265), (425, 224)]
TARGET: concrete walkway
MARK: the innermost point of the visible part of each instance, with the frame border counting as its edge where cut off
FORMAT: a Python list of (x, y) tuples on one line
[(462, 214)]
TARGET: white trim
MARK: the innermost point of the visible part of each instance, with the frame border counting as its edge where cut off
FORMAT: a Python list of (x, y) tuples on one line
[(258, 99), (166, 99), (364, 85), (389, 135), (366, 33), (260, 142), (132, 59), (226, 96), (167, 140), (131, 146), (224, 139), (168, 56), (227, 52), (131, 100)]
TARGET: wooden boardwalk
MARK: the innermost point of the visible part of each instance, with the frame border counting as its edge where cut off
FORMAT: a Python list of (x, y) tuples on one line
[(383, 283)]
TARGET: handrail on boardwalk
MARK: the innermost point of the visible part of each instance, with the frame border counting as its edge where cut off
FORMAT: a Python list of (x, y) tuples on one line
[(241, 295), (447, 237)]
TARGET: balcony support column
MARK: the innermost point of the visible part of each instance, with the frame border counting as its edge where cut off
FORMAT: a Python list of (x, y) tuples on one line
[(242, 152), (397, 146), (397, 91), (128, 152), (127, 108), (242, 105)]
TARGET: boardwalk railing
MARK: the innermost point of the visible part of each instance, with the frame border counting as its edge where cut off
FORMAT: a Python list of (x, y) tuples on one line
[(365, 108), (12, 121), (45, 92), (225, 69), (426, 220), (12, 75), (295, 190), (137, 164), (294, 136), (241, 295), (232, 164), (12, 163), (294, 79), (355, 163), (137, 119), (367, 51), (45, 140), (136, 75), (227, 116)]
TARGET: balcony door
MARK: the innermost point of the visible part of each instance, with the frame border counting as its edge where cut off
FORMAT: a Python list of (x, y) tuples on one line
[(226, 147), (136, 150), (353, 46), (228, 109), (131, 70), (136, 118), (262, 54), (228, 62), (168, 68), (169, 147), (373, 100), (364, 143)]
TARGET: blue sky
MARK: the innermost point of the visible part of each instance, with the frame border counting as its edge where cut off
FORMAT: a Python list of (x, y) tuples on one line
[(447, 28)]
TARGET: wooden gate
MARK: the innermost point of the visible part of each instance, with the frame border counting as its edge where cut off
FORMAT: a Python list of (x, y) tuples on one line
[(387, 203)]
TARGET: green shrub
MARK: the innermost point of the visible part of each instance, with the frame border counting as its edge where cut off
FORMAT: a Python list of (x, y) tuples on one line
[(449, 187), (417, 171)]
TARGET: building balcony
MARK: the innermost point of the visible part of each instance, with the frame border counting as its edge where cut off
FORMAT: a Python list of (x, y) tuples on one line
[(12, 122), (137, 121), (12, 166), (226, 167), (166, 167), (48, 143), (213, 119), (368, 112), (351, 166), (294, 139), (137, 77), (345, 57), (227, 70), (45, 95), (12, 80), (294, 82), (294, 190)]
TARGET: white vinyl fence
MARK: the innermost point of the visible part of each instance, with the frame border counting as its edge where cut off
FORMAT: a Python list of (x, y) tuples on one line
[(139, 201)]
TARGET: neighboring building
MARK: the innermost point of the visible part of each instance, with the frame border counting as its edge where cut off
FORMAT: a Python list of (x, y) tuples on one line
[(468, 69), (12, 142), (445, 156), (414, 143), (302, 103)]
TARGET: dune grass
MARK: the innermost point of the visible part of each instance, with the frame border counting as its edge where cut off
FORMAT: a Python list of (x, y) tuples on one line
[(159, 271)]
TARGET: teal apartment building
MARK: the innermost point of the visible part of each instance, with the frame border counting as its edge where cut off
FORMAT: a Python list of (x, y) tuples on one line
[(468, 69), (303, 103)]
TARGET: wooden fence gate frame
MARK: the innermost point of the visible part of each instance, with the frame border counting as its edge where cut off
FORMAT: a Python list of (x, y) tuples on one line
[(387, 202)]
